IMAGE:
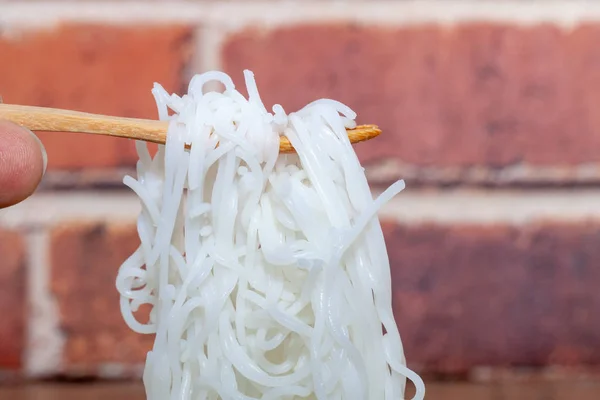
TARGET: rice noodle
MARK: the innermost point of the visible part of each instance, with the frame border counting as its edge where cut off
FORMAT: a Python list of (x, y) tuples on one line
[(267, 274)]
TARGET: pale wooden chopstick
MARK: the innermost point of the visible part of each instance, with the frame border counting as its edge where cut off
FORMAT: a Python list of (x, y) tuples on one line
[(56, 120)]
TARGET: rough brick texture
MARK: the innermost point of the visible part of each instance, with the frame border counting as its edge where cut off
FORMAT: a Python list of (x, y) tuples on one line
[(476, 94), (464, 296), (101, 69), (85, 260), (12, 299), (499, 296)]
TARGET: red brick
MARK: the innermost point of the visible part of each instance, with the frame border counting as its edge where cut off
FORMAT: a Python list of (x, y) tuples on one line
[(12, 299), (101, 69), (478, 94), (85, 260), (497, 296), (464, 296)]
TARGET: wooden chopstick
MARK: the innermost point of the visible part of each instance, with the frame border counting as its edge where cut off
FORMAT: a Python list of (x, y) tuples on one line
[(56, 120)]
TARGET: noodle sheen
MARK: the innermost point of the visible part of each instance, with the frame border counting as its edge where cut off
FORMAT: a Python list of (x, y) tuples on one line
[(267, 274)]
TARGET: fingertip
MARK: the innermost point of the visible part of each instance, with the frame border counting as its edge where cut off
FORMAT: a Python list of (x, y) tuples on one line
[(22, 163)]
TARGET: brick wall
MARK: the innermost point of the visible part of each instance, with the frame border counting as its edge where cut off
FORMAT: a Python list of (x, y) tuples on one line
[(489, 111)]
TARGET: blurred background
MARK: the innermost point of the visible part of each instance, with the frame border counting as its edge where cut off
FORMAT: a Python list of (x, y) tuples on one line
[(490, 111)]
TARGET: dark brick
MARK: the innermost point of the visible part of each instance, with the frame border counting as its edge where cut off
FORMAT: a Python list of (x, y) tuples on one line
[(497, 296), (464, 296), (12, 299)]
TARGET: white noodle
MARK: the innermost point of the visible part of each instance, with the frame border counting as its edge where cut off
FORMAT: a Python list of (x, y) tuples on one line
[(267, 274)]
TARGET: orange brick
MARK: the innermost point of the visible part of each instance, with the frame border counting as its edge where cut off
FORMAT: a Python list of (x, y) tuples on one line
[(85, 260), (12, 299), (101, 69)]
